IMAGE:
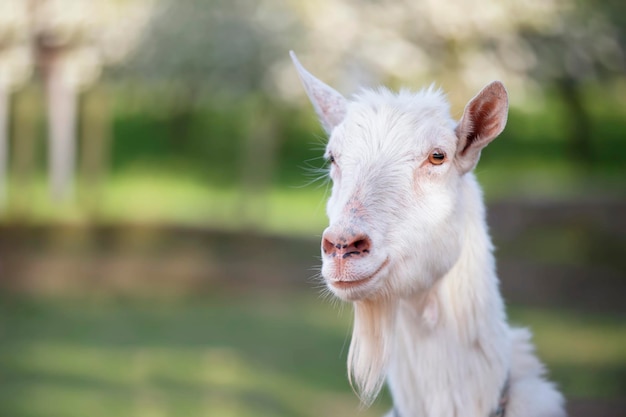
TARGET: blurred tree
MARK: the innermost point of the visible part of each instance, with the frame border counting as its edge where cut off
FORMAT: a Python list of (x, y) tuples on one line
[(15, 70), (460, 43), (223, 51), (557, 45), (74, 39), (95, 144), (27, 112), (218, 48), (586, 43)]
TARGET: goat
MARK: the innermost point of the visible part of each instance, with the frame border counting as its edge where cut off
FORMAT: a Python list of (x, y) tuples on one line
[(408, 245)]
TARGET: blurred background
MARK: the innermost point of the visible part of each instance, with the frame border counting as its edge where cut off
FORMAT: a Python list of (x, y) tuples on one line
[(161, 201)]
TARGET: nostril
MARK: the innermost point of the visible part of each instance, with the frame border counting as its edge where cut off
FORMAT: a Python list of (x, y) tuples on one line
[(329, 247), (359, 246)]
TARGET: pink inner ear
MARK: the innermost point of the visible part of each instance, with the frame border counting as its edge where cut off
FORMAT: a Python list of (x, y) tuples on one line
[(484, 117), (484, 122)]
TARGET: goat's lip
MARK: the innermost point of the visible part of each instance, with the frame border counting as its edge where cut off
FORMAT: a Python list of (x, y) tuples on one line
[(346, 284)]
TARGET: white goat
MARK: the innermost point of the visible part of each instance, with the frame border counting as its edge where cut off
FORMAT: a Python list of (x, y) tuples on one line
[(408, 245)]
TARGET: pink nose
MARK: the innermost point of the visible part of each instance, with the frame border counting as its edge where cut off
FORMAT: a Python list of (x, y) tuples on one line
[(345, 245)]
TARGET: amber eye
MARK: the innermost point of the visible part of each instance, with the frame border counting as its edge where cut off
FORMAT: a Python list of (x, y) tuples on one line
[(437, 157)]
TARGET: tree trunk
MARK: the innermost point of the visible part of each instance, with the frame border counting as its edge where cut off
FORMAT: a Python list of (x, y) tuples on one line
[(182, 117), (578, 122), (61, 98), (258, 164), (27, 111), (95, 136), (4, 142)]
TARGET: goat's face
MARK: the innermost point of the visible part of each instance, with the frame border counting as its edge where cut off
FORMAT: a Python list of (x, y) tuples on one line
[(393, 211), (397, 162)]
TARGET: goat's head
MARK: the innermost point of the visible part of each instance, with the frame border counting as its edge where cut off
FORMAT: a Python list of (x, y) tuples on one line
[(397, 163)]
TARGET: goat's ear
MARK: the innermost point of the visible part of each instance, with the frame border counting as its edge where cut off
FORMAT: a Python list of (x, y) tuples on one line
[(483, 120), (328, 103)]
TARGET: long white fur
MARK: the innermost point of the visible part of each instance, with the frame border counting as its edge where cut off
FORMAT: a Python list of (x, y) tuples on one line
[(431, 321)]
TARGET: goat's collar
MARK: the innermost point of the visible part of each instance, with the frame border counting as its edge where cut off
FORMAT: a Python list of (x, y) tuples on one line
[(500, 410)]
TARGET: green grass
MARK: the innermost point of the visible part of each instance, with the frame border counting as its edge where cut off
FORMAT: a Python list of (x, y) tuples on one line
[(158, 197), (585, 353), (221, 356), (149, 194), (232, 354)]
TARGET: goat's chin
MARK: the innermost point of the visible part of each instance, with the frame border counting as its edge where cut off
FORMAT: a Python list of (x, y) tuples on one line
[(355, 292), (354, 287)]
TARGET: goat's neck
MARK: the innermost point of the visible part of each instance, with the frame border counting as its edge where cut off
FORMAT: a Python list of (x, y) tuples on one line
[(450, 352)]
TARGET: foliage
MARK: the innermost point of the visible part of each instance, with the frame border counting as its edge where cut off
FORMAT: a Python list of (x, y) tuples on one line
[(230, 354), (258, 161), (226, 47), (217, 132)]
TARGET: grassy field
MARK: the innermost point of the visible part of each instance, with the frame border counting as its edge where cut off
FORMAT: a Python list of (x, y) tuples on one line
[(235, 354)]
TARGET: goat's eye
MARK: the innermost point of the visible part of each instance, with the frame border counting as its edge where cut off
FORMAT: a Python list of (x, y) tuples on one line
[(331, 158), (437, 157)]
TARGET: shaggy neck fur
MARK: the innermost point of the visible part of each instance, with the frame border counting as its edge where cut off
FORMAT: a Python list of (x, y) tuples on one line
[(445, 352)]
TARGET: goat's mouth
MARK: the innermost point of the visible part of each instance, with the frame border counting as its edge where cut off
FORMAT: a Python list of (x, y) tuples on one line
[(344, 284)]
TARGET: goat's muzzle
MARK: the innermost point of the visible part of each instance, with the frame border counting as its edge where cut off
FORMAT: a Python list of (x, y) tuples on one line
[(344, 245)]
